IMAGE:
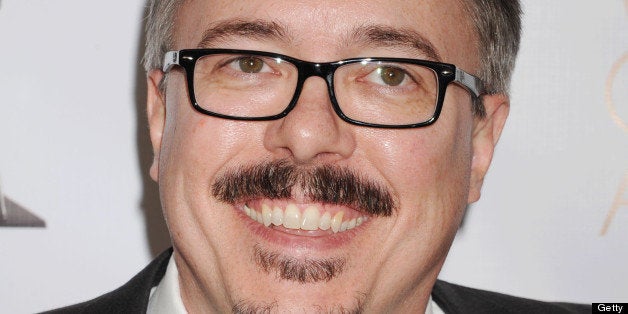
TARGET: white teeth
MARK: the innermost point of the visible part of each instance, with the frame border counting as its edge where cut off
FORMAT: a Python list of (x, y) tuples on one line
[(266, 215), (277, 216), (310, 219), (292, 217), (336, 222), (325, 222), (344, 225), (351, 224)]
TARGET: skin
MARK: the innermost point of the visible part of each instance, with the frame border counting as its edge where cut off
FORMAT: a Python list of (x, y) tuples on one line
[(432, 172)]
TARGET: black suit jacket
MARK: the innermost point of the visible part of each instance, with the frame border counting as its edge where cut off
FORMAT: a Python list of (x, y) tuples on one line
[(133, 296)]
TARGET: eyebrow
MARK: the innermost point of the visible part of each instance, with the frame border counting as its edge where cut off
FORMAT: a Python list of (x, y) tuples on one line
[(367, 35), (255, 29), (381, 35)]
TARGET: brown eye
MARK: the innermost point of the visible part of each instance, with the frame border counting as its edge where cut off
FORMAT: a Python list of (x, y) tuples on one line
[(250, 64), (391, 76)]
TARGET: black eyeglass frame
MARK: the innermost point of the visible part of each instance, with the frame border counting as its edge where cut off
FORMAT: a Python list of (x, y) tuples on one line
[(446, 73)]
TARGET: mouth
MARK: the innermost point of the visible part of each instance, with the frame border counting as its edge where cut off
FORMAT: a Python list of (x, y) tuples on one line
[(303, 220)]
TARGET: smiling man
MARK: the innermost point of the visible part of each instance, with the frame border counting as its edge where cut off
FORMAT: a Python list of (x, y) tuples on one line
[(318, 156)]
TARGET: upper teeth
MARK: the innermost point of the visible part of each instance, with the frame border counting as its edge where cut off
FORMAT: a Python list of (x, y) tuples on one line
[(310, 219)]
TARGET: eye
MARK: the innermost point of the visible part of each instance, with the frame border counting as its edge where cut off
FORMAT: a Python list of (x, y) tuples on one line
[(388, 75), (250, 64)]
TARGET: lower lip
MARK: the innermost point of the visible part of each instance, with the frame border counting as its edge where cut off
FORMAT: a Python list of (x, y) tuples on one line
[(300, 239)]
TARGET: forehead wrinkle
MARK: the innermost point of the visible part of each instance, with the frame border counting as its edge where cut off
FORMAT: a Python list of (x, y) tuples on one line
[(242, 28), (386, 36)]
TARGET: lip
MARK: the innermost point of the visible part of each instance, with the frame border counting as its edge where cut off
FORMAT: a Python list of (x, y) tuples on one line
[(300, 239)]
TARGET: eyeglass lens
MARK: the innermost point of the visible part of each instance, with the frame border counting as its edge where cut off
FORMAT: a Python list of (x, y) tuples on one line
[(391, 93)]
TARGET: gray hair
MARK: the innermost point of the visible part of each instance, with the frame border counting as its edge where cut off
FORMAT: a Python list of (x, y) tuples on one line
[(497, 23), (160, 18)]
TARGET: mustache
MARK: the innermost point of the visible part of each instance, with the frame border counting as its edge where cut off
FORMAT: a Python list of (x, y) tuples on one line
[(328, 184)]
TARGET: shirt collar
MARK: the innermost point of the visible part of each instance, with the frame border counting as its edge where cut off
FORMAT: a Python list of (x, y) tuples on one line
[(165, 297)]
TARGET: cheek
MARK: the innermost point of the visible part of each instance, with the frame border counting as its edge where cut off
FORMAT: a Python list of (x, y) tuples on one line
[(428, 168), (196, 147), (425, 165), (200, 145)]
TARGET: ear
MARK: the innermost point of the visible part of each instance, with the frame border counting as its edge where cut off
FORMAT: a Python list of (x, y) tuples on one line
[(156, 112), (486, 133)]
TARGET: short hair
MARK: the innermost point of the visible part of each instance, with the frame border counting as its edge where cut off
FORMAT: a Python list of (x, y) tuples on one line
[(497, 24), (160, 18)]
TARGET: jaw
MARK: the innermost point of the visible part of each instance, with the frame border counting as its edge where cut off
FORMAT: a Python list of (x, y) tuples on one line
[(242, 268)]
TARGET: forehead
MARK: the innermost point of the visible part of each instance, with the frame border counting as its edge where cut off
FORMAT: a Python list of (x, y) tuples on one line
[(322, 29)]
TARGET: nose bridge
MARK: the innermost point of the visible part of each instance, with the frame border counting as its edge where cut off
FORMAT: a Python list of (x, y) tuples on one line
[(309, 69), (312, 129)]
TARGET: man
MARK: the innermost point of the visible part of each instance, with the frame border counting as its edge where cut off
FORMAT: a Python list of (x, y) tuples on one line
[(318, 156)]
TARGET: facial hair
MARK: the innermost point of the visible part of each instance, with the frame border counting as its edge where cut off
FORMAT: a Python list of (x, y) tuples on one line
[(327, 184)]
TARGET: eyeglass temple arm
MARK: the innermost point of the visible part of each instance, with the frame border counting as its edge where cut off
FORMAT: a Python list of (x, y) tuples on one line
[(470, 82), (171, 58)]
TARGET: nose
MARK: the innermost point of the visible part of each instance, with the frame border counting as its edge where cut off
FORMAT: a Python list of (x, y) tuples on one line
[(311, 131)]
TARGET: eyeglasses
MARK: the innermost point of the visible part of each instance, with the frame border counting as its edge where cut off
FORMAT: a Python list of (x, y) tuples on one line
[(375, 92)]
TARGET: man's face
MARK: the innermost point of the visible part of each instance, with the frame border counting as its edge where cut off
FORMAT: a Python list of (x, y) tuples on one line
[(383, 261)]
